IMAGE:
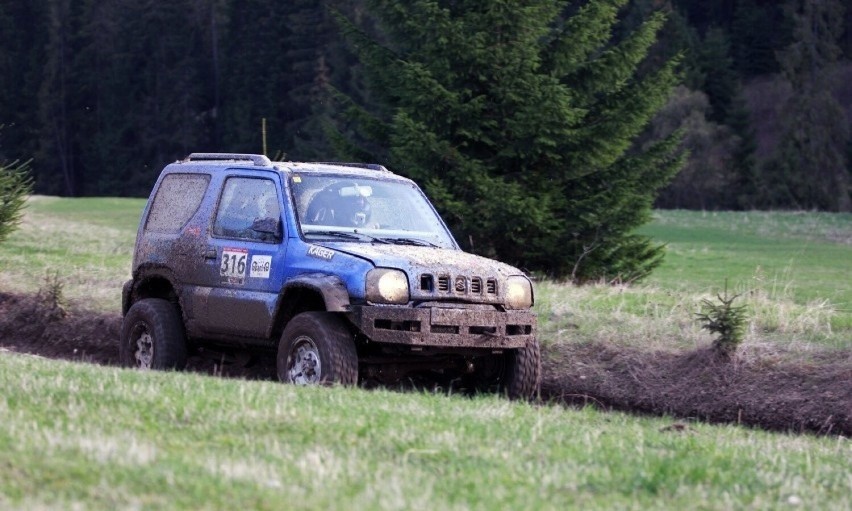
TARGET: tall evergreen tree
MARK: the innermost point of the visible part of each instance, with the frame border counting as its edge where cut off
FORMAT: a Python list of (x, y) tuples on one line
[(759, 30), (810, 169), (126, 88), (705, 14), (719, 79), (519, 118), (743, 156), (320, 57), (23, 35), (722, 85), (310, 38), (257, 76), (291, 43), (59, 170)]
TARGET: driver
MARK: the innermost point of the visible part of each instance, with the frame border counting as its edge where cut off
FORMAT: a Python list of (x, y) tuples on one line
[(341, 204), (268, 207), (354, 211), (267, 225)]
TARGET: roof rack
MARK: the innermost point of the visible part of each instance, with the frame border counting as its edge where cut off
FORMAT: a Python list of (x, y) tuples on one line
[(369, 166), (259, 160)]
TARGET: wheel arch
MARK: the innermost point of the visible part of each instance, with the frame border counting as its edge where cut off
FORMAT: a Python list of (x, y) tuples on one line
[(155, 282), (310, 292)]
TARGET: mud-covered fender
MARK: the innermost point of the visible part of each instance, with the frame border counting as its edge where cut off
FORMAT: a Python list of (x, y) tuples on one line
[(332, 289), (125, 296), (150, 281)]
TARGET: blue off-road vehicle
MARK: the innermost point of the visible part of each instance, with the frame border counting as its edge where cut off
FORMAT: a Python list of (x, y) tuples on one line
[(344, 273)]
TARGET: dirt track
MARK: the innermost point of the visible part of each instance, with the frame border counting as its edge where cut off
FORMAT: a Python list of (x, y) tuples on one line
[(753, 391), (815, 397)]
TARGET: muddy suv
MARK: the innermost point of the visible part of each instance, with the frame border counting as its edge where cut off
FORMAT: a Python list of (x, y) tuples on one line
[(343, 272)]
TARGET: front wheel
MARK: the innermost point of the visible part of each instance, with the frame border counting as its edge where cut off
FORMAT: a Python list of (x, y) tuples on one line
[(317, 348), (152, 336)]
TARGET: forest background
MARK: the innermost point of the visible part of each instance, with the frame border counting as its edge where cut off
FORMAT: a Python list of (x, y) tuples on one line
[(100, 94)]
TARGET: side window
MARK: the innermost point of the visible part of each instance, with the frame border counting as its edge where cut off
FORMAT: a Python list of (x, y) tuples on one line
[(249, 208), (177, 199)]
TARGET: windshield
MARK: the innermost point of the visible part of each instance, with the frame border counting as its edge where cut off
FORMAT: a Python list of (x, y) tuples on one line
[(368, 210)]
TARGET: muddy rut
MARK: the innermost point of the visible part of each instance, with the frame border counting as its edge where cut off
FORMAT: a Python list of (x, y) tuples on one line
[(813, 397)]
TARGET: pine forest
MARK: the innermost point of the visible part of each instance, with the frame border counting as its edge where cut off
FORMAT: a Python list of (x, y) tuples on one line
[(583, 115)]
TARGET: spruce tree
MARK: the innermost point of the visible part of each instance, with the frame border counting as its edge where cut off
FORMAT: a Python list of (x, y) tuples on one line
[(125, 89), (720, 81), (257, 76), (758, 31), (23, 37), (519, 118), (318, 56), (810, 166), (15, 186)]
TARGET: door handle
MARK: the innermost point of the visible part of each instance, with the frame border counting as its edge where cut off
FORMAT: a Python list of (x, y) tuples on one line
[(210, 253)]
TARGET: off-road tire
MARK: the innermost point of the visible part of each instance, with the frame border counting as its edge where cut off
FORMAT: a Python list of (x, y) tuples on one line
[(152, 336), (522, 377), (317, 348)]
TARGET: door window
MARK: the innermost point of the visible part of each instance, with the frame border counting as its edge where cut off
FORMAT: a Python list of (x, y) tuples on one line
[(249, 208)]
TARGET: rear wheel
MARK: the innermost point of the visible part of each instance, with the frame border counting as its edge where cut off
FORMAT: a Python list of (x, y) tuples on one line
[(522, 377), (514, 373), (152, 336), (317, 348)]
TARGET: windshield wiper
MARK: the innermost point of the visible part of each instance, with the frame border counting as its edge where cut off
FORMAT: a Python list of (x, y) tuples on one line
[(360, 236), (336, 234), (373, 238), (411, 241)]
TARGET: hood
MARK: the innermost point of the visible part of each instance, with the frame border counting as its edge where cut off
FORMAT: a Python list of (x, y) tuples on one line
[(415, 260)]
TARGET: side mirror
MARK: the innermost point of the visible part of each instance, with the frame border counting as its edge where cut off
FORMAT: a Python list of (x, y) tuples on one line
[(268, 229)]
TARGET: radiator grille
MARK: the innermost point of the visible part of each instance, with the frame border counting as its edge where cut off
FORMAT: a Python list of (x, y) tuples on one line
[(458, 285), (491, 287)]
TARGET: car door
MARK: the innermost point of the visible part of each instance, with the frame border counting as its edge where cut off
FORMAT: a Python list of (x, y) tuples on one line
[(246, 246)]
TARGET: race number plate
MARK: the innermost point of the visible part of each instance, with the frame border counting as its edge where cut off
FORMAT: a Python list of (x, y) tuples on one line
[(234, 264)]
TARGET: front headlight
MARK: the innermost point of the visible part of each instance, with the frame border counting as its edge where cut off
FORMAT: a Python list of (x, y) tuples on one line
[(519, 294), (385, 285)]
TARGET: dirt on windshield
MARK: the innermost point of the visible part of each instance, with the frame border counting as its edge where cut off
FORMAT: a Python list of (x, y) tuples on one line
[(758, 391)]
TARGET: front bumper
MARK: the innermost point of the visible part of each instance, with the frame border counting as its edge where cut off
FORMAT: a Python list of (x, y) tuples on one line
[(446, 327)]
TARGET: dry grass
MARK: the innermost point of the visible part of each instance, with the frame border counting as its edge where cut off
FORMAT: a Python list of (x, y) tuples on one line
[(656, 318), (91, 259)]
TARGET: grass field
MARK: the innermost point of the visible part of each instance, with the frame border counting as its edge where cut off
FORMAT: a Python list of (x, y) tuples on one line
[(101, 438), (88, 242), (802, 256), (90, 437), (792, 270)]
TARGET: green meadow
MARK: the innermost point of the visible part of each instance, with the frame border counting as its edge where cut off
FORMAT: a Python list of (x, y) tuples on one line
[(77, 436), (87, 242), (805, 257), (792, 270)]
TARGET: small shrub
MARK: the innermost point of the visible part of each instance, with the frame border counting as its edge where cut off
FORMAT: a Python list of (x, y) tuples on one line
[(725, 320), (51, 298)]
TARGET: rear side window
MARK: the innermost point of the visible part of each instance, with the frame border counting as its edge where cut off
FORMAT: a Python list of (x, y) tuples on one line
[(176, 201)]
